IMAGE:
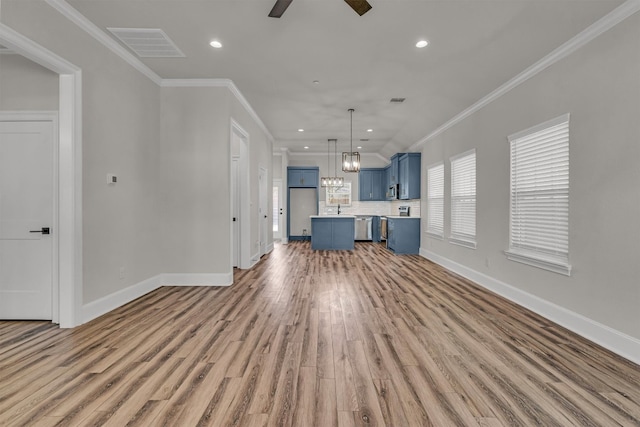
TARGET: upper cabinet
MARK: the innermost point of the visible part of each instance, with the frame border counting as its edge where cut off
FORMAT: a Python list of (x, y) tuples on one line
[(302, 177), (386, 182), (372, 184), (394, 178), (409, 165)]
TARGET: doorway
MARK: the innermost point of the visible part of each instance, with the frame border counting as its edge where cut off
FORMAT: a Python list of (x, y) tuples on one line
[(28, 229), (67, 302), (277, 212), (240, 230), (263, 209)]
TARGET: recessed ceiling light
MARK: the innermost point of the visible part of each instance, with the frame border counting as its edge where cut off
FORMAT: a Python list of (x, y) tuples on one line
[(216, 44), (306, 147), (316, 82), (359, 147), (300, 130), (422, 43), (369, 130)]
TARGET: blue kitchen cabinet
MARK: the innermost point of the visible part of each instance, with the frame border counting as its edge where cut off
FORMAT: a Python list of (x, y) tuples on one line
[(371, 184), (332, 233), (394, 178), (409, 165), (302, 177), (375, 229), (386, 182), (403, 235)]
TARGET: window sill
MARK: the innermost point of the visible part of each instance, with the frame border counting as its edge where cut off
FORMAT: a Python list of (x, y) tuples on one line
[(535, 260), (467, 243), (435, 235)]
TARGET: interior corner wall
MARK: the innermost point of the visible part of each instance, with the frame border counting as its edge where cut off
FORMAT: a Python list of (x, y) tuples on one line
[(25, 85), (121, 116), (195, 179), (599, 86)]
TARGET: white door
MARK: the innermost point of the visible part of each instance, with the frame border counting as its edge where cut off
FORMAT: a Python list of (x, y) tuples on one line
[(235, 209), (26, 217), (263, 210), (277, 216)]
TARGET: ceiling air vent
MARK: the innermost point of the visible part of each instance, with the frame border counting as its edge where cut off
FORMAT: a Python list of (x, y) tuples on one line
[(397, 100), (147, 42)]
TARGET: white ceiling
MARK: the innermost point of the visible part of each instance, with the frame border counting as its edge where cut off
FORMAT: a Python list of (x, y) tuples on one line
[(360, 62)]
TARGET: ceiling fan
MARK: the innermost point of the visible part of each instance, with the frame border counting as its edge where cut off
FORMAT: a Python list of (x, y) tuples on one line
[(359, 6)]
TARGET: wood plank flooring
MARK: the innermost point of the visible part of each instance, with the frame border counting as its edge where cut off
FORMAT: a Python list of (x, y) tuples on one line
[(315, 339)]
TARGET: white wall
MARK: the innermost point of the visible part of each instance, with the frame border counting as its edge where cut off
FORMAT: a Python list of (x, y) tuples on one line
[(25, 85), (121, 113), (195, 155), (599, 86), (169, 147)]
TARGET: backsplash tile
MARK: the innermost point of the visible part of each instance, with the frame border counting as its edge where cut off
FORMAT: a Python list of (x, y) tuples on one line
[(372, 208)]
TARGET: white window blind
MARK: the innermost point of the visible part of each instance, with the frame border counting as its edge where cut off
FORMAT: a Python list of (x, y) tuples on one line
[(539, 225), (435, 200), (463, 199)]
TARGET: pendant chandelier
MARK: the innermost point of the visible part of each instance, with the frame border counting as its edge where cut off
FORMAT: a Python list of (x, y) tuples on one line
[(351, 159), (332, 181)]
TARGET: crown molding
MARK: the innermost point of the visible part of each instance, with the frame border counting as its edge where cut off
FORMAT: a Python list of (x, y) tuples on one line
[(196, 83), (605, 23), (220, 83), (81, 21)]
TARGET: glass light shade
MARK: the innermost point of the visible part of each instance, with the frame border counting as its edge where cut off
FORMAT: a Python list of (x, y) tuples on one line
[(351, 161), (331, 181)]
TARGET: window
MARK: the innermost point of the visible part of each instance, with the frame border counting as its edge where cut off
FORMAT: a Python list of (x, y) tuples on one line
[(463, 199), (339, 195), (275, 212), (539, 223), (435, 200)]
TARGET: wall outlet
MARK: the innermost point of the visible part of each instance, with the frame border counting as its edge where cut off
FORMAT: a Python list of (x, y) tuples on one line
[(121, 273)]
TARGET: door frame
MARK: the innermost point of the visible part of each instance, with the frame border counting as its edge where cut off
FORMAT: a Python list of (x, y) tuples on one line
[(263, 219), (244, 196), (67, 309)]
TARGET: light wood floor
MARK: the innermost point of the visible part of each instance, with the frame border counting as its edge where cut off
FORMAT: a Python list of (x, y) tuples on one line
[(315, 338)]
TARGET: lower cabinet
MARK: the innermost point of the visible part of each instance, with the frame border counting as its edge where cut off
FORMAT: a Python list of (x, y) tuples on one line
[(332, 233), (403, 235)]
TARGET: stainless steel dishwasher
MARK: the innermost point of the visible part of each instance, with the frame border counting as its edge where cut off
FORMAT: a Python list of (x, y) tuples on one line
[(363, 227)]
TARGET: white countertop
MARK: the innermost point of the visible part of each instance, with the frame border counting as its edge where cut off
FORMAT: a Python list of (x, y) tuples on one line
[(401, 217), (332, 216)]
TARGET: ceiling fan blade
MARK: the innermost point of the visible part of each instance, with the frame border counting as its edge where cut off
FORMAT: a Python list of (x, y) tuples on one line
[(360, 6), (279, 8)]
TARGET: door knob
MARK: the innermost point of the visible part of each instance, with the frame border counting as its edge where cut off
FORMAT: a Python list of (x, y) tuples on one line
[(44, 230)]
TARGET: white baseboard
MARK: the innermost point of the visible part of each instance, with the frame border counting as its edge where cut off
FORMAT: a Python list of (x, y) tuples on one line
[(117, 299), (270, 247), (616, 341), (194, 279)]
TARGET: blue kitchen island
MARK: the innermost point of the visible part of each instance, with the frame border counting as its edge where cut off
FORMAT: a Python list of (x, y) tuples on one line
[(332, 232)]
